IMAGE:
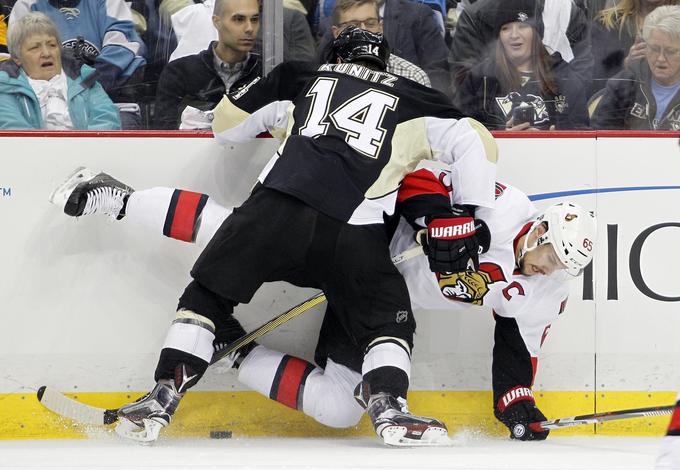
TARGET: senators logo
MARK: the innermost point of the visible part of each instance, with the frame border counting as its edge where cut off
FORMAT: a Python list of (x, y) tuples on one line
[(500, 189), (470, 286)]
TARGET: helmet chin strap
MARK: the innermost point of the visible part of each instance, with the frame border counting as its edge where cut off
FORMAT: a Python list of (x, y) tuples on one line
[(525, 248)]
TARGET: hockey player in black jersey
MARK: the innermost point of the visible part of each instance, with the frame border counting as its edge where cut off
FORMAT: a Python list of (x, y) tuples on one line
[(350, 133)]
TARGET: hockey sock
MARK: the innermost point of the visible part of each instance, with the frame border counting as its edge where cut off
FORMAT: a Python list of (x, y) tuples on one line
[(183, 216), (179, 214), (387, 367), (276, 375), (173, 212), (189, 341)]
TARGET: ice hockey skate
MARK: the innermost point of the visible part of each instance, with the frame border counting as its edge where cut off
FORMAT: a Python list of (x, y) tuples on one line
[(398, 427), (143, 420), (85, 192)]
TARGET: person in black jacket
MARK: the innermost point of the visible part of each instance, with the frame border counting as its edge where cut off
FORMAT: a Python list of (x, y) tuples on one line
[(517, 87), (616, 31), (201, 80), (475, 35), (413, 35), (647, 96)]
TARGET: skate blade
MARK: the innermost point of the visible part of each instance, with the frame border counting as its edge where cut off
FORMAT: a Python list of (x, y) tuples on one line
[(395, 436), (60, 195), (146, 435)]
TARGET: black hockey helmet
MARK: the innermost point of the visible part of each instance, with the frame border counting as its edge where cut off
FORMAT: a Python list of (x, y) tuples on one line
[(354, 44)]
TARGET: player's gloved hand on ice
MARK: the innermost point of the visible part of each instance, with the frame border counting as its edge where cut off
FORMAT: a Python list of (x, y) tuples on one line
[(453, 241), (517, 410)]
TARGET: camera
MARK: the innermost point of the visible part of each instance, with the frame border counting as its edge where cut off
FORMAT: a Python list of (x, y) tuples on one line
[(523, 113)]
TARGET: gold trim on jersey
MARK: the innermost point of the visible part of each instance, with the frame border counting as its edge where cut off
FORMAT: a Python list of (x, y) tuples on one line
[(227, 116), (409, 146)]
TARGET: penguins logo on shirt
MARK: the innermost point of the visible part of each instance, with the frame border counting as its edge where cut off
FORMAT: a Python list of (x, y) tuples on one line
[(512, 99), (470, 286)]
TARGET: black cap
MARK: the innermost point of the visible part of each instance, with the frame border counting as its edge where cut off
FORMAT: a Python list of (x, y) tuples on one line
[(507, 11)]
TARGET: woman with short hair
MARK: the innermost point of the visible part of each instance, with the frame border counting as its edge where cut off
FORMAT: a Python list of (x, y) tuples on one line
[(646, 96), (616, 37), (42, 89)]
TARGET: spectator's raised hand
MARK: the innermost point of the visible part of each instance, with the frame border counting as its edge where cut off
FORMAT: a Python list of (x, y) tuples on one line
[(636, 51)]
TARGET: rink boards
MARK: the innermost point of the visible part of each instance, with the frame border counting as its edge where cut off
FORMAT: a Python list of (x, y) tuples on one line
[(86, 303)]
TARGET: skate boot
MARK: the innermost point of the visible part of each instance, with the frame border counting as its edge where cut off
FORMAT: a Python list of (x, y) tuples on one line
[(143, 420), (398, 427), (85, 192)]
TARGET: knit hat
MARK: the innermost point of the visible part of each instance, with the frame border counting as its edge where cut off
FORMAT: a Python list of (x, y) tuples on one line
[(507, 11)]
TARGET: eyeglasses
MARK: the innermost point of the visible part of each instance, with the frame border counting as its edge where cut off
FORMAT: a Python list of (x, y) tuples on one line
[(368, 23), (668, 52)]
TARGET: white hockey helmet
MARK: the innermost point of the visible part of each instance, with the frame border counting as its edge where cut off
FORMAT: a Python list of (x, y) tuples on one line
[(572, 231)]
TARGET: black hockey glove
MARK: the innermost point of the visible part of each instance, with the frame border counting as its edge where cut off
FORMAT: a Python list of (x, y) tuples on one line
[(454, 241), (517, 410)]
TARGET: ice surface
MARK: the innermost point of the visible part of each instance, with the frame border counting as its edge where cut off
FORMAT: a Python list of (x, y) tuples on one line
[(467, 452)]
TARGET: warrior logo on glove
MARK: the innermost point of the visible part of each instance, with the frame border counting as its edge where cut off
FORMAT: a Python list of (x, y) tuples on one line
[(453, 241)]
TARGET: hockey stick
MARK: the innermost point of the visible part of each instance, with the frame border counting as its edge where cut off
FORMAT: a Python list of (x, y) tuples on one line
[(602, 417), (62, 405)]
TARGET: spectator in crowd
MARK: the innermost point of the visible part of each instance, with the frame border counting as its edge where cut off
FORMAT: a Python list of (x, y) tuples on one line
[(5, 9), (517, 87), (3, 37), (364, 14), (647, 95), (192, 26), (298, 42), (565, 33), (616, 31), (201, 80), (40, 89), (412, 33), (103, 35)]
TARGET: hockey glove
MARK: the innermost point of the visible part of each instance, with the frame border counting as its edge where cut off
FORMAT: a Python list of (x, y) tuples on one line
[(454, 241), (517, 409)]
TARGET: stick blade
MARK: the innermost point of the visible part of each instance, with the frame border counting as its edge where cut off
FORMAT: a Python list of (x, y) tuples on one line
[(62, 405)]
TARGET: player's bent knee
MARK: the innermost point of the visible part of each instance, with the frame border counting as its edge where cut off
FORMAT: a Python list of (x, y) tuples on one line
[(329, 396), (333, 409)]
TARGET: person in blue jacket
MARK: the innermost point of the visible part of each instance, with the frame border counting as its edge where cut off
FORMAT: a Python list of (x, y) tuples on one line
[(41, 89), (102, 33)]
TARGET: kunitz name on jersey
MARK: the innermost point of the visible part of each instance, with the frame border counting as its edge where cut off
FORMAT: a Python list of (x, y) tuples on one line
[(359, 71)]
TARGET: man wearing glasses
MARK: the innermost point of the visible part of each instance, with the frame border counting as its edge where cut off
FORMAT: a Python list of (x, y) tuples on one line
[(647, 96), (365, 14)]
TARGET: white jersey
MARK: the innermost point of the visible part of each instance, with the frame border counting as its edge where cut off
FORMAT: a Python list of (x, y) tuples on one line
[(534, 301)]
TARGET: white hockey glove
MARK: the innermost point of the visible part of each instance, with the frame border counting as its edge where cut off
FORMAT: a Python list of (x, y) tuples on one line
[(195, 119)]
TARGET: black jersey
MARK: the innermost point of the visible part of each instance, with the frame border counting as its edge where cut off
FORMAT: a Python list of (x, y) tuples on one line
[(350, 134)]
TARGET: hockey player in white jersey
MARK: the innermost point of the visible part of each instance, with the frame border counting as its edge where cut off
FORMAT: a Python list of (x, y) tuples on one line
[(521, 277)]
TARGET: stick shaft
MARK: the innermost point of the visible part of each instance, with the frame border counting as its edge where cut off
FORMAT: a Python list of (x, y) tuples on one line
[(602, 417)]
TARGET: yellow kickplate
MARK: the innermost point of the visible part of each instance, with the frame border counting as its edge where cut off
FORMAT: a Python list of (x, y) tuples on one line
[(250, 414)]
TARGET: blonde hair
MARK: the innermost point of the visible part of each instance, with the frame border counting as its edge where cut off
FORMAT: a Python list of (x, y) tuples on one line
[(26, 26), (624, 15)]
